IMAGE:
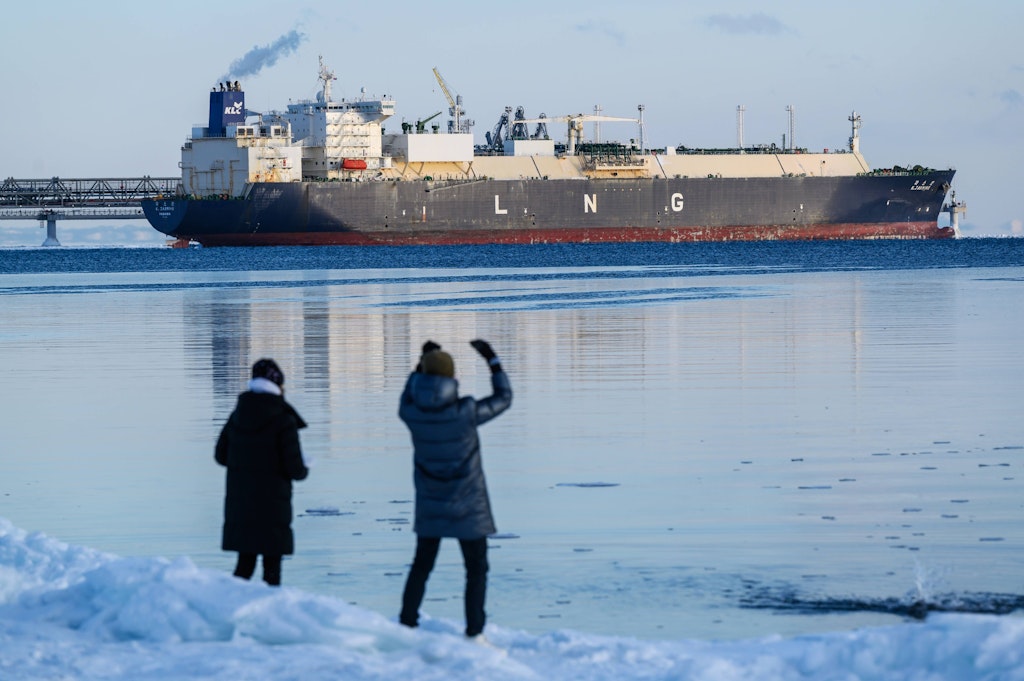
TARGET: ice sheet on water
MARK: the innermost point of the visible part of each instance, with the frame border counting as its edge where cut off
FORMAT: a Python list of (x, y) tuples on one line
[(326, 511), (917, 604)]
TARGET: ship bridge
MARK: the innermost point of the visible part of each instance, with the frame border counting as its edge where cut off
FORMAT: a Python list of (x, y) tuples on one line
[(58, 198)]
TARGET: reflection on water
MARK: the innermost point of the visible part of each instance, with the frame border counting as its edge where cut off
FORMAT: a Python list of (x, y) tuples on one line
[(677, 434)]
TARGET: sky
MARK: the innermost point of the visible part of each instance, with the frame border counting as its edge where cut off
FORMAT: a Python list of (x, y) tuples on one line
[(112, 88), (72, 612)]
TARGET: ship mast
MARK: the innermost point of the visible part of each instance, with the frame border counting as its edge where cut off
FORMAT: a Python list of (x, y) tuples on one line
[(739, 126), (792, 124), (855, 134), (326, 76), (640, 122)]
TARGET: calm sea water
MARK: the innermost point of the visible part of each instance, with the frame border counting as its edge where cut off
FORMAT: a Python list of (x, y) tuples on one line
[(706, 440)]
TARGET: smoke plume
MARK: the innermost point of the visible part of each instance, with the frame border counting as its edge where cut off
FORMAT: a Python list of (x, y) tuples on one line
[(259, 57), (760, 23)]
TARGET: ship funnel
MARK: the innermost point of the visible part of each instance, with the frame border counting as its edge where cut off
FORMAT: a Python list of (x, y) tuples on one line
[(227, 107)]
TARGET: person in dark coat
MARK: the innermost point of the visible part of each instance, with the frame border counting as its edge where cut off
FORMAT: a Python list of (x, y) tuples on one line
[(259, 445), (451, 493)]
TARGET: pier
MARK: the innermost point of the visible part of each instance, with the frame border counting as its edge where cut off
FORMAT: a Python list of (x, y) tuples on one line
[(49, 200)]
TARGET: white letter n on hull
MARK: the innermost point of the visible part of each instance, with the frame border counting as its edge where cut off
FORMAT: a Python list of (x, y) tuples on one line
[(590, 203)]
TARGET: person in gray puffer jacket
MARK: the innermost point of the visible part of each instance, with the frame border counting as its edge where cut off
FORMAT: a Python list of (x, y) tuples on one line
[(451, 493)]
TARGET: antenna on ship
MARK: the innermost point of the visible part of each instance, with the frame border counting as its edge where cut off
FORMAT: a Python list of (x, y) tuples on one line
[(855, 133), (325, 77), (597, 124), (739, 126), (792, 124)]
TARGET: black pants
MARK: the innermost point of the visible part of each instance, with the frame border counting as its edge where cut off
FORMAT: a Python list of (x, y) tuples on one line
[(474, 555), (271, 567)]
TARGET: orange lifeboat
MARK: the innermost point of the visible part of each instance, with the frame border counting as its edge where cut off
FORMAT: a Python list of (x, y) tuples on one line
[(353, 164)]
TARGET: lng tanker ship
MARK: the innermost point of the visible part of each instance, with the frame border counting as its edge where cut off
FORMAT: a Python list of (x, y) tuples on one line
[(326, 172)]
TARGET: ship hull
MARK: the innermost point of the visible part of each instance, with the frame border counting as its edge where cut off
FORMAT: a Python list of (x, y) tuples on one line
[(564, 211)]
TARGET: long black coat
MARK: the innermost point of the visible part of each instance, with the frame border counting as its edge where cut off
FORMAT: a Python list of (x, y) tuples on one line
[(259, 444), (451, 493)]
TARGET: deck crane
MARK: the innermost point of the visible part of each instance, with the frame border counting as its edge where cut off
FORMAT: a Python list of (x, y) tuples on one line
[(458, 123), (541, 131), (575, 125), (519, 130), (495, 140), (420, 126), (515, 128)]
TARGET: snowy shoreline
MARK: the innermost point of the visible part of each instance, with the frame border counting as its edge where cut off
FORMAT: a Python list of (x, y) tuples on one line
[(74, 612)]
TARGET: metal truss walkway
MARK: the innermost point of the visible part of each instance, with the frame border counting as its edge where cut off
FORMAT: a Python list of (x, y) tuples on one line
[(80, 199)]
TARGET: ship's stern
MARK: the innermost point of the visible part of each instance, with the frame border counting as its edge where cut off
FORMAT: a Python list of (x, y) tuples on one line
[(166, 215)]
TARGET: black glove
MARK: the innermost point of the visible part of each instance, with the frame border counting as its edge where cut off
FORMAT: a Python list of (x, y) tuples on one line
[(485, 350), (429, 346)]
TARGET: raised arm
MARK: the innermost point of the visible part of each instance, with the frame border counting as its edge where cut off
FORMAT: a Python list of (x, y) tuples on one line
[(501, 397)]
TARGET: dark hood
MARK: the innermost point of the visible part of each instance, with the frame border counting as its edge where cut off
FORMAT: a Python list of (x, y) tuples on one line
[(431, 392)]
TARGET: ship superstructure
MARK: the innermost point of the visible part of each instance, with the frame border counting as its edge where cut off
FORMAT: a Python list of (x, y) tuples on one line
[(326, 172)]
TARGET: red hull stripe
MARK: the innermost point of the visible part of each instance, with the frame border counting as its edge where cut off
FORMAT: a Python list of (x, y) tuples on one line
[(895, 230)]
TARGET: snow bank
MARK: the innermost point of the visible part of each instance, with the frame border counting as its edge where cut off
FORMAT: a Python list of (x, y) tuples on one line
[(74, 613)]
